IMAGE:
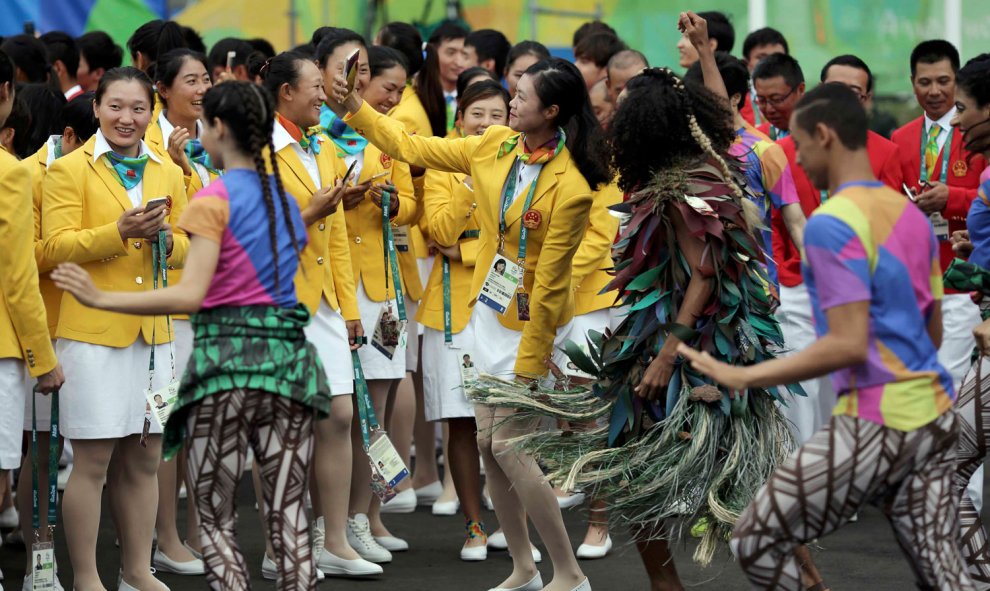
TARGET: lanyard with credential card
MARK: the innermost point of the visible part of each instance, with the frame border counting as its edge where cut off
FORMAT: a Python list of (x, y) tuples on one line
[(389, 333), (387, 467), (159, 253), (43, 553), (522, 298)]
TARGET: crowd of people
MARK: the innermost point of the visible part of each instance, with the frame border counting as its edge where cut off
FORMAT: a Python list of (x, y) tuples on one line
[(735, 308)]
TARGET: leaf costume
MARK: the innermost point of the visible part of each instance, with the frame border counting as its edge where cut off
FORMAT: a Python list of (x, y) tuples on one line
[(697, 455)]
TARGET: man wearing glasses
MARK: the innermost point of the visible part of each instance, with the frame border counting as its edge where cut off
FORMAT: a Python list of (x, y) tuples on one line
[(779, 84)]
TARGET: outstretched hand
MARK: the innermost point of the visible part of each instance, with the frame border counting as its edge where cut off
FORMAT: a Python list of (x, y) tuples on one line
[(74, 279), (732, 377)]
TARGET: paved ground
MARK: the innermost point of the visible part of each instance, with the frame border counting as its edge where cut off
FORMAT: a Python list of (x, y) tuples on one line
[(862, 556)]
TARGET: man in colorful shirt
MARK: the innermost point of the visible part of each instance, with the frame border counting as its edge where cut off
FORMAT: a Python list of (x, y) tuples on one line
[(872, 269)]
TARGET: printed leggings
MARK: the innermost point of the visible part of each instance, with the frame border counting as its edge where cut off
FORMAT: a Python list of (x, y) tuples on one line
[(280, 432), (973, 408), (849, 463)]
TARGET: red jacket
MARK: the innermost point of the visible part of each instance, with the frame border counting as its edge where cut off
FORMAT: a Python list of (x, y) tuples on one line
[(962, 176), (886, 163), (748, 110)]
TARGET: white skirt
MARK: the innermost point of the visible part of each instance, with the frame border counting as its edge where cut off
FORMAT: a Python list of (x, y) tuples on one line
[(327, 331), (414, 329), (443, 394), (15, 385), (376, 365), (103, 394), (577, 331), (501, 345)]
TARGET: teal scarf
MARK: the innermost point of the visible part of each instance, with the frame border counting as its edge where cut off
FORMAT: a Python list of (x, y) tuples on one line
[(197, 154), (348, 141), (127, 170)]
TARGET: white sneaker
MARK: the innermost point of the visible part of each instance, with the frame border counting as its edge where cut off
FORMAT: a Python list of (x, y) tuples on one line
[(9, 518), (29, 583), (446, 507), (428, 494), (594, 551), (404, 502), (165, 564), (269, 570), (570, 501), (330, 564), (496, 541), (360, 538), (535, 584), (392, 543)]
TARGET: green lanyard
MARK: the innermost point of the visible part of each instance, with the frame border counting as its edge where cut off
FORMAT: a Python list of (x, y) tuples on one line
[(159, 253), (52, 467), (507, 200), (945, 152), (391, 259), (366, 411), (778, 134), (448, 333)]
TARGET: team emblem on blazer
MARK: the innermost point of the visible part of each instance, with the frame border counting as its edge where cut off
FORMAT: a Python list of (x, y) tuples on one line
[(532, 219), (959, 168), (386, 160)]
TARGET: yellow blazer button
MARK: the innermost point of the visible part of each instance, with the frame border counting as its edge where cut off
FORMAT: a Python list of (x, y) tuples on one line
[(319, 260), (357, 240), (139, 280), (137, 245), (322, 226)]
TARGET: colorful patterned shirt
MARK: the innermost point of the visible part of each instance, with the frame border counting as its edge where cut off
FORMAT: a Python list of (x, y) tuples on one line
[(231, 212), (978, 223), (769, 175), (869, 244)]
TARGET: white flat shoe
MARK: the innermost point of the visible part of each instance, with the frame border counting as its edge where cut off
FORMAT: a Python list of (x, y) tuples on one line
[(570, 501), (535, 584), (584, 586), (269, 570), (594, 551), (334, 566), (474, 553), (496, 541), (404, 502), (392, 543), (428, 494), (166, 565), (193, 551), (446, 508), (125, 586)]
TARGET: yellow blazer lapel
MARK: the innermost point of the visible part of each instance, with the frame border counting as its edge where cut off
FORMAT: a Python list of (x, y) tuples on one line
[(113, 185), (288, 156), (545, 183)]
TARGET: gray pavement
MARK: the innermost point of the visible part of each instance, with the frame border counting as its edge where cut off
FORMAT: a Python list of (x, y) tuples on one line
[(861, 556)]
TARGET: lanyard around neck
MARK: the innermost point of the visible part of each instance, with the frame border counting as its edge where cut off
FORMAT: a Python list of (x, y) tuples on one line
[(507, 201), (945, 153)]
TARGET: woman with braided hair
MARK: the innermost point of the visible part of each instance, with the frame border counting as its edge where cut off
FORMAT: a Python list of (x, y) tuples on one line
[(253, 378)]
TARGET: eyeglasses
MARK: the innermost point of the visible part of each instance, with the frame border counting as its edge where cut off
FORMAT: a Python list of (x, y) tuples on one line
[(773, 101)]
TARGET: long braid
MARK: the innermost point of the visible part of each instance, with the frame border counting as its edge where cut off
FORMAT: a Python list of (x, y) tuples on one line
[(699, 135)]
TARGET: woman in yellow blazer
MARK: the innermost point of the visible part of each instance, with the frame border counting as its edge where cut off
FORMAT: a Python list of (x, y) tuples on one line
[(448, 338), (524, 177), (325, 284), (181, 81), (95, 213)]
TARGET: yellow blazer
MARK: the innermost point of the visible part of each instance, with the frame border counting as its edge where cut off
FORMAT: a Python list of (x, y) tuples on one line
[(159, 145), (562, 199), (411, 113), (364, 229), (80, 206), (37, 167), (23, 324), (594, 256), (325, 263), (449, 225)]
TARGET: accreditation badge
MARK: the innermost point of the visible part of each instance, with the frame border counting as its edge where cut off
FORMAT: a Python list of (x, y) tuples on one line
[(400, 237), (501, 283), (387, 467), (162, 401), (389, 332), (43, 566)]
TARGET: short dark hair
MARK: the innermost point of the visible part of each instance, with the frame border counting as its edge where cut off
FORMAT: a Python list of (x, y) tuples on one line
[(20, 121), (465, 77), (62, 48), (125, 74), (853, 62), (761, 37), (218, 53), (599, 48), (720, 29), (6, 69), (29, 56), (590, 28), (46, 105), (78, 114), (194, 40), (447, 31), (734, 73), (481, 91), (626, 58), (533, 48), (333, 38), (779, 64), (262, 45), (974, 78), (837, 107), (100, 51), (490, 44), (933, 51)]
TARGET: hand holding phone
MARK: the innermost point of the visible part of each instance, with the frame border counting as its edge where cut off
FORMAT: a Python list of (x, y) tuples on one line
[(156, 203), (350, 170), (351, 70)]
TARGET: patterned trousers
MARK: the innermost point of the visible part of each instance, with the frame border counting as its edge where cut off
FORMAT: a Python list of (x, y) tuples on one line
[(280, 432), (850, 463), (973, 408)]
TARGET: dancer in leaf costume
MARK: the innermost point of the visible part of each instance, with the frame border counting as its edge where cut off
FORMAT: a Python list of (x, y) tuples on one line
[(671, 449)]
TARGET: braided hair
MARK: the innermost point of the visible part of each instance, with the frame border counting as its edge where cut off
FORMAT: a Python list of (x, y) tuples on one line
[(651, 128), (249, 112)]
